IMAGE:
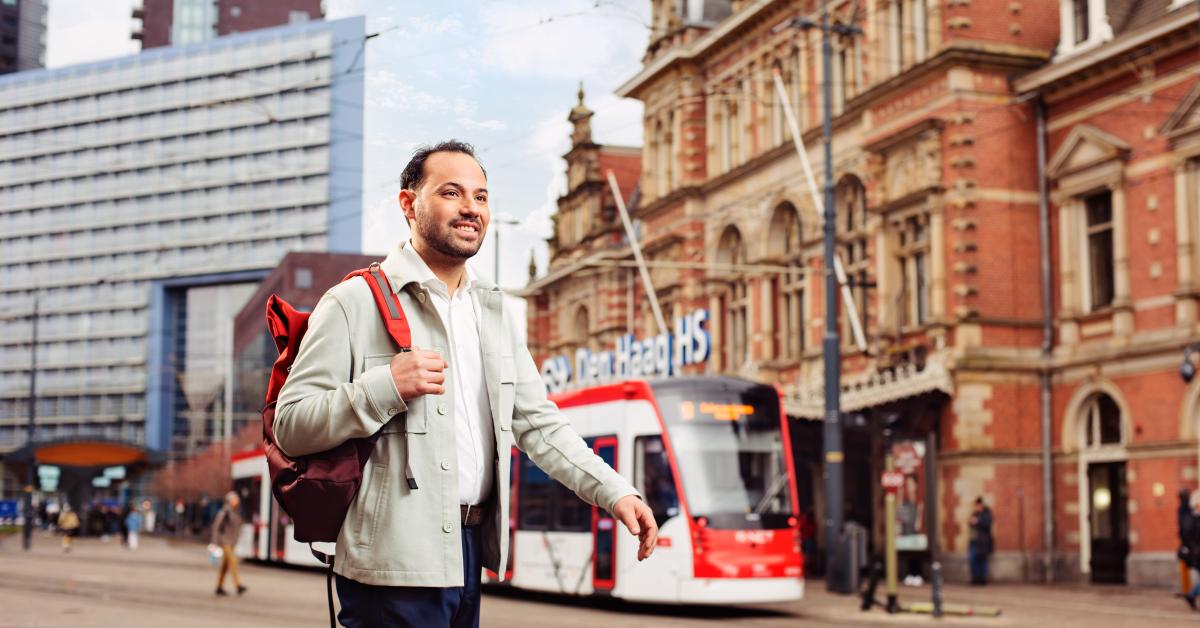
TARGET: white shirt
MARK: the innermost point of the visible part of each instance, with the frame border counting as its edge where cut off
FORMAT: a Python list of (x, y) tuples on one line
[(475, 440)]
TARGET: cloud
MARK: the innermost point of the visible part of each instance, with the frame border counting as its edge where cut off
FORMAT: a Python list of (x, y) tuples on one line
[(484, 125), (80, 31), (557, 39), (386, 91)]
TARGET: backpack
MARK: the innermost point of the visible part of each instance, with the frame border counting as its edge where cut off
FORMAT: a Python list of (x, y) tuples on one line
[(316, 490)]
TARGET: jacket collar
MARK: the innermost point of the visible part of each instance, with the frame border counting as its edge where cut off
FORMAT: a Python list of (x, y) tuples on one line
[(404, 267)]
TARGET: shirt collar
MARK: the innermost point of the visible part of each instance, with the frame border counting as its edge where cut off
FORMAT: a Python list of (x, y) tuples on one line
[(404, 266)]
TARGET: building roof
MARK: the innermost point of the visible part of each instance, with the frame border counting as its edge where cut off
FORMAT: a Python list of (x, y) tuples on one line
[(1134, 27), (626, 165)]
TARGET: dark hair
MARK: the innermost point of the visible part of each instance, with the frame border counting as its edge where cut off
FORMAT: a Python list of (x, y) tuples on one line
[(414, 173)]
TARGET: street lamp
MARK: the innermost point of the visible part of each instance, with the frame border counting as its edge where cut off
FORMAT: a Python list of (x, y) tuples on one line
[(30, 471), (838, 577), (496, 223), (1187, 370)]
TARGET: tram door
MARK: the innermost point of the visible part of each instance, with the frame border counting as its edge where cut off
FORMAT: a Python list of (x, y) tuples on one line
[(604, 527)]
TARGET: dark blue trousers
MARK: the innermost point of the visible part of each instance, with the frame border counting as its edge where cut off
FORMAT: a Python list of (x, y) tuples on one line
[(368, 606), (977, 556)]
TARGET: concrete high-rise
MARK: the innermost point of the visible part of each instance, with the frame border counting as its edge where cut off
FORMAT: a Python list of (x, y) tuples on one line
[(141, 200)]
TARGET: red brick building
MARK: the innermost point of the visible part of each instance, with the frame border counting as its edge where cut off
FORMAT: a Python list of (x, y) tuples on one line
[(938, 203), (167, 22), (1123, 143)]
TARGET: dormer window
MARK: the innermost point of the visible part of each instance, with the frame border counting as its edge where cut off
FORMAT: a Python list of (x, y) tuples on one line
[(1080, 8), (1084, 25)]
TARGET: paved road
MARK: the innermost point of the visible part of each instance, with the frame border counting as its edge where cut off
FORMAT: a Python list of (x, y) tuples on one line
[(171, 584)]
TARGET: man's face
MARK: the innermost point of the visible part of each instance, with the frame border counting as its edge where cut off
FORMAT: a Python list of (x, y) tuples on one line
[(449, 211)]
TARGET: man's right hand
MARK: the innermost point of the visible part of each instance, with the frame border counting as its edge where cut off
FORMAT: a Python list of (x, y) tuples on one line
[(418, 372)]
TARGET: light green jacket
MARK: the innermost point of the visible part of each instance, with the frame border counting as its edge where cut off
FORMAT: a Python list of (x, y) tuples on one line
[(340, 387)]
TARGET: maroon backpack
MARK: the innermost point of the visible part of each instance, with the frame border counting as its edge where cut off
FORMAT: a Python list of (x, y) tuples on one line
[(316, 490)]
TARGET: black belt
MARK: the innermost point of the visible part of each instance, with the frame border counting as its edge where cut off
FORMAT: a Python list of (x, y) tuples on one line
[(471, 515)]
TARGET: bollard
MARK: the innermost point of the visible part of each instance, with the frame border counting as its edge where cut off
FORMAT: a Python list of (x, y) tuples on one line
[(937, 588)]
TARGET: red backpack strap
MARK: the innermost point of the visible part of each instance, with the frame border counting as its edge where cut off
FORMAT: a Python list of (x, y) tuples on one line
[(389, 305)]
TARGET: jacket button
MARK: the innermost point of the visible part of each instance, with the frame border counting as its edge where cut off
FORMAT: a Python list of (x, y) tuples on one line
[(441, 408), (421, 297), (393, 411), (445, 465), (447, 527)]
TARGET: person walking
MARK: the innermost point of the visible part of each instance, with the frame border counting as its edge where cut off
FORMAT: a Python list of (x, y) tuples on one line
[(980, 545), (68, 526), (226, 528), (433, 506), (1191, 544), (1184, 520), (133, 527)]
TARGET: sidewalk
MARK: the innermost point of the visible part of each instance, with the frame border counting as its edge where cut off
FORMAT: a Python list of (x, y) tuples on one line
[(170, 583), (1084, 606)]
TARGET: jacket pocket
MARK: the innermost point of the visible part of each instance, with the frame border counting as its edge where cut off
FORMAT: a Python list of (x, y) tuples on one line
[(374, 501)]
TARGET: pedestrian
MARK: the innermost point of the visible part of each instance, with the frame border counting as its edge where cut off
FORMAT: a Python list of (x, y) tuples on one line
[(1184, 521), (447, 412), (226, 528), (122, 517), (1191, 542), (980, 545), (133, 526), (68, 526)]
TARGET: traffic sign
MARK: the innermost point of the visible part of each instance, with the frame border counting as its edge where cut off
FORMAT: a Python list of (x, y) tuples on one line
[(891, 481)]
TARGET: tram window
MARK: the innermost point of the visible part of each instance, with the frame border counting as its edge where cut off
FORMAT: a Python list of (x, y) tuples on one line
[(571, 514), (652, 476), (535, 494)]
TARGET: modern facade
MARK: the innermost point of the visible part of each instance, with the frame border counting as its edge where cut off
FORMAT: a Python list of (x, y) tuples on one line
[(22, 35), (965, 364), (177, 22), (141, 201)]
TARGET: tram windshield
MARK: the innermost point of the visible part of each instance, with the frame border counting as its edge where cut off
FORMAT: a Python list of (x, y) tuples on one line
[(727, 440)]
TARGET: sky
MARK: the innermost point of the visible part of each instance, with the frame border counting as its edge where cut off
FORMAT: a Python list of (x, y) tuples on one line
[(501, 74)]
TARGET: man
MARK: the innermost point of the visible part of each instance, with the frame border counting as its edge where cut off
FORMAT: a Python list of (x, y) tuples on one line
[(980, 545), (226, 528), (1184, 521), (68, 525), (1192, 542), (433, 505)]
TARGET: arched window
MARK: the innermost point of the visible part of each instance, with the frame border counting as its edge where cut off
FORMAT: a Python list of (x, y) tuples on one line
[(664, 139), (581, 327), (787, 288), (735, 302), (1101, 424), (851, 202)]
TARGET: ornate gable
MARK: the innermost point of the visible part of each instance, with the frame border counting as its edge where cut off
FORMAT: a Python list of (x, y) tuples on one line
[(1185, 120), (1085, 147)]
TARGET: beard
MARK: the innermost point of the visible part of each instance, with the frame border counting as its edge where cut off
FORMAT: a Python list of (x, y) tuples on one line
[(443, 238)]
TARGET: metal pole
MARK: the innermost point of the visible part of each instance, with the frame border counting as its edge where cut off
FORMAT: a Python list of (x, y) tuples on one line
[(832, 345), (889, 527), (30, 471), (636, 247), (1047, 350)]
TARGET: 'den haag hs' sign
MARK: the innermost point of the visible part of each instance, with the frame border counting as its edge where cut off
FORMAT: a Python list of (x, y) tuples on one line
[(659, 356)]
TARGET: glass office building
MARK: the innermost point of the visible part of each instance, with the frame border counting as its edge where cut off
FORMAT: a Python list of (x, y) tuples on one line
[(137, 190)]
